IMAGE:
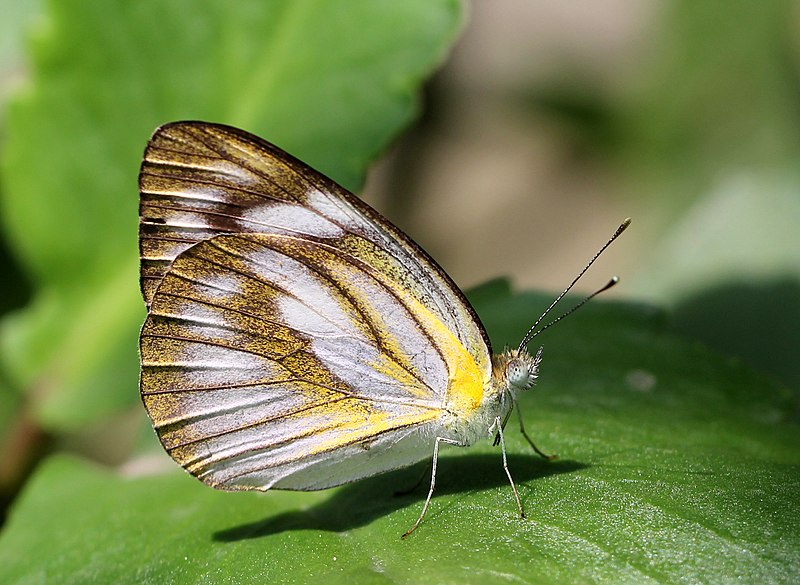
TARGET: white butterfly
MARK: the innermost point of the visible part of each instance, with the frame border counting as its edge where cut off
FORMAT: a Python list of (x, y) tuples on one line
[(295, 339)]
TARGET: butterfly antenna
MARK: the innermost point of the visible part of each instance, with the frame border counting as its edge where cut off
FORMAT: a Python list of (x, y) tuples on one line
[(532, 332)]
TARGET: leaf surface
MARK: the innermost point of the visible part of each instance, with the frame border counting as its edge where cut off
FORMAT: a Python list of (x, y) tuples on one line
[(676, 465)]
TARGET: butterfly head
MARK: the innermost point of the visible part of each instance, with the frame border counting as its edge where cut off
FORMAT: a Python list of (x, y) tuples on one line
[(517, 370)]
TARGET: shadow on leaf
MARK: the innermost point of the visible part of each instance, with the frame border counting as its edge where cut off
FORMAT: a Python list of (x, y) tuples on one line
[(757, 322), (359, 503)]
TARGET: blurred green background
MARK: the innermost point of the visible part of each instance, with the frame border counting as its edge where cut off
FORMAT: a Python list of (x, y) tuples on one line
[(553, 121), (510, 143)]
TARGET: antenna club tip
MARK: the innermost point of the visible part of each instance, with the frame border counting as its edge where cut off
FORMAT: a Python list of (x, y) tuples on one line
[(613, 281), (625, 223)]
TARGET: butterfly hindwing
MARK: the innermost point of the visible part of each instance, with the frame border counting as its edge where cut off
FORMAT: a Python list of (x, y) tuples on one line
[(272, 357)]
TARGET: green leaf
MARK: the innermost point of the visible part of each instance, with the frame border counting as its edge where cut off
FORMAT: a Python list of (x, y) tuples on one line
[(329, 82), (736, 251), (676, 465)]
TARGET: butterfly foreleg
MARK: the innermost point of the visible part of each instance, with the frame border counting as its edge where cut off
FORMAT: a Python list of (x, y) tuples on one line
[(499, 424), (505, 422), (434, 462)]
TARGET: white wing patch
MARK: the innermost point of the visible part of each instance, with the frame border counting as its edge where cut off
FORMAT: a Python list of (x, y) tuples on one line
[(290, 218)]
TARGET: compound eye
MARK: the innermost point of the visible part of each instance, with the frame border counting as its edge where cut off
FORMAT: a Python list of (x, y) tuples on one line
[(518, 374)]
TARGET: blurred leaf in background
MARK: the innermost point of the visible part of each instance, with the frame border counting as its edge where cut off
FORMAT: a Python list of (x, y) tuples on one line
[(14, 285), (330, 84), (718, 128)]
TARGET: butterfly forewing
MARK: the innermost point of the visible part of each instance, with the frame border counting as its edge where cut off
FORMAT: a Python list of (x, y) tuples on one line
[(198, 180), (315, 328)]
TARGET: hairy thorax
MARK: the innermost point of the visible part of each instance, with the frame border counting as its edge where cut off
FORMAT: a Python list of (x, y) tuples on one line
[(512, 372)]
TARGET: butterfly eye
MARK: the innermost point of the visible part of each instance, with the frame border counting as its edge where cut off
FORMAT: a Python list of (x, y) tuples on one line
[(518, 374)]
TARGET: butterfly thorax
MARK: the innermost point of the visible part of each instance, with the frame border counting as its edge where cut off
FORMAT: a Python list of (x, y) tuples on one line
[(513, 371)]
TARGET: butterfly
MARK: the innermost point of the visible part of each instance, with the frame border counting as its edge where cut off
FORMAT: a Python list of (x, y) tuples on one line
[(295, 339)]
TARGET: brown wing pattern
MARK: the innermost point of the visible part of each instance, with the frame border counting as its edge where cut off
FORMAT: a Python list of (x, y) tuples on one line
[(287, 319), (199, 180)]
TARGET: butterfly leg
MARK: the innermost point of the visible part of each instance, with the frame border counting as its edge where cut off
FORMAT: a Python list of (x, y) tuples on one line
[(499, 425), (505, 422), (433, 480), (530, 441)]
